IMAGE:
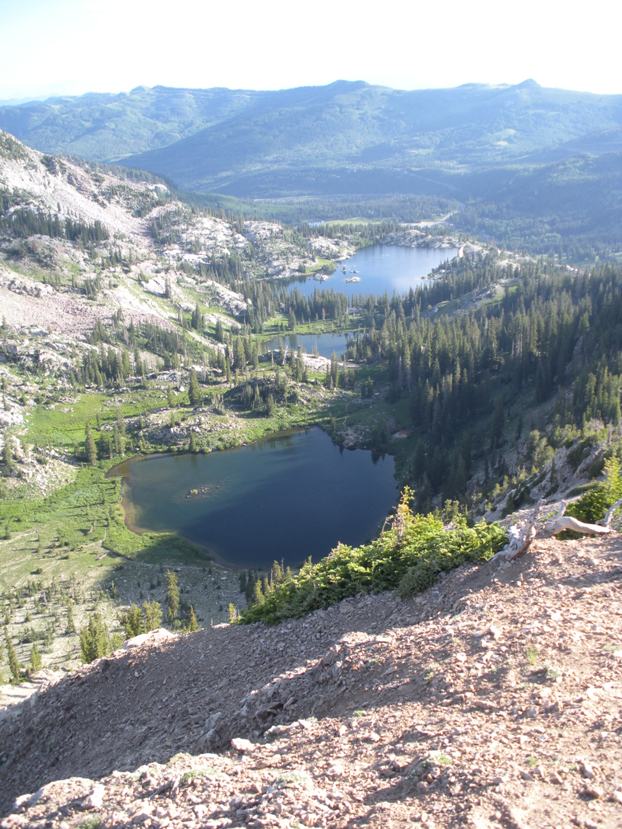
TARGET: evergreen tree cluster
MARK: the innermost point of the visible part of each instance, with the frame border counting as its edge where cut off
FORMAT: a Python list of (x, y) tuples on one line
[(22, 222), (136, 620), (551, 335)]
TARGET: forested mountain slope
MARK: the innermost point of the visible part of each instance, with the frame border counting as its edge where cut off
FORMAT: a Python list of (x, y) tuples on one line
[(529, 165), (103, 127), (225, 131)]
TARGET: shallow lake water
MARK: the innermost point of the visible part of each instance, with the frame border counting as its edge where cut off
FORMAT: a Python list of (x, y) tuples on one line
[(381, 269), (323, 344), (284, 498)]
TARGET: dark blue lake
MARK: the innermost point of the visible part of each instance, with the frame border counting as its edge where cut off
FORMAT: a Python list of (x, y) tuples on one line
[(380, 269), (285, 498)]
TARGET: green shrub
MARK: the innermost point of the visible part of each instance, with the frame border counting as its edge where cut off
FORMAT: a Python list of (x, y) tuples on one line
[(592, 506), (409, 556), (417, 579)]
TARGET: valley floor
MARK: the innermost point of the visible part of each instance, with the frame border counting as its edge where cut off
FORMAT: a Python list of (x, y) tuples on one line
[(492, 700)]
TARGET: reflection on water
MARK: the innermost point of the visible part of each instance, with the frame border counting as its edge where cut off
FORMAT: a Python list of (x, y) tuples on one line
[(380, 269), (323, 344), (284, 498)]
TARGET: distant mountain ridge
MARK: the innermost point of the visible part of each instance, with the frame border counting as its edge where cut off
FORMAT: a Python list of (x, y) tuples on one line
[(106, 127), (236, 141), (533, 168)]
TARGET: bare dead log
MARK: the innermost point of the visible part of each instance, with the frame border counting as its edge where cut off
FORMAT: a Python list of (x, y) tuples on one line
[(567, 522), (519, 543), (521, 538)]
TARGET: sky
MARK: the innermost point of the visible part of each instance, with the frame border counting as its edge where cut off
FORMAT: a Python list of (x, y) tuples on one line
[(51, 47)]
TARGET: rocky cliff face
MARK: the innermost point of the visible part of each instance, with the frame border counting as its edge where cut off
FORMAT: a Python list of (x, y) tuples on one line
[(492, 700)]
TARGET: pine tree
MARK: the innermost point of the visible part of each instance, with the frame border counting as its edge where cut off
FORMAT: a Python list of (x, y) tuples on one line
[(14, 666), (71, 625), (613, 480), (193, 622), (232, 613), (94, 639), (276, 574), (194, 390), (152, 612), (36, 662), (258, 592), (7, 452), (196, 320), (118, 440), (90, 447), (132, 621), (172, 595)]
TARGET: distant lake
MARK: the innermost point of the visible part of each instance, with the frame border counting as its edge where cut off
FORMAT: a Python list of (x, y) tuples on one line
[(382, 269), (285, 498), (323, 344)]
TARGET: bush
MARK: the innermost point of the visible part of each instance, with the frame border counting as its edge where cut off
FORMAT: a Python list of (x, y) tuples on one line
[(409, 556), (592, 506)]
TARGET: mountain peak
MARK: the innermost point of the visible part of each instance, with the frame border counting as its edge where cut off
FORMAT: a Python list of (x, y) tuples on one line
[(529, 83), (342, 84)]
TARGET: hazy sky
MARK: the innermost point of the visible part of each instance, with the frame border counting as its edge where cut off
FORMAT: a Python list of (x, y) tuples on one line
[(73, 46)]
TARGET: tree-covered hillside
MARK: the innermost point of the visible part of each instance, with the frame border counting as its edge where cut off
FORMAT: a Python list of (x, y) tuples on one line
[(482, 359), (105, 127), (349, 130), (522, 165)]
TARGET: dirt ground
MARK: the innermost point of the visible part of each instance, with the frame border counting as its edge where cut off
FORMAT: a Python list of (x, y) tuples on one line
[(492, 700)]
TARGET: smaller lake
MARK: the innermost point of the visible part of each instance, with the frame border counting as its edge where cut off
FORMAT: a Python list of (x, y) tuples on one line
[(285, 498), (381, 269), (323, 344)]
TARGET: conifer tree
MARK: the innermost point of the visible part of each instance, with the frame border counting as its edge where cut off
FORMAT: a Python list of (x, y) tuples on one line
[(36, 662), (90, 447), (14, 666), (94, 639), (258, 592), (7, 452), (132, 621), (193, 622), (152, 613), (118, 440), (71, 625), (172, 595), (194, 390)]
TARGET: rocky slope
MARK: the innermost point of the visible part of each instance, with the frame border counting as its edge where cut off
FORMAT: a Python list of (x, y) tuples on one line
[(85, 246), (492, 700), (145, 236)]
